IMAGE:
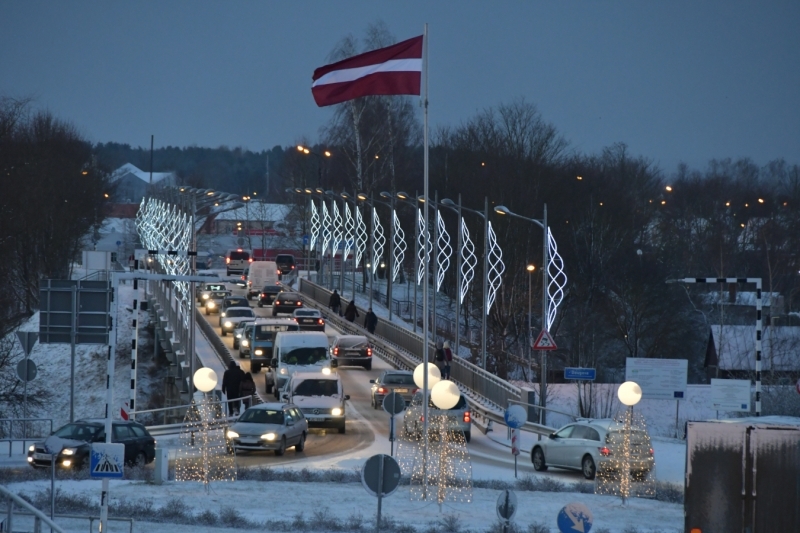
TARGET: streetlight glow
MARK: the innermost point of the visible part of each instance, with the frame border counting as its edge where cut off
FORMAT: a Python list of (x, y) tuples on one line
[(668, 188), (530, 268), (761, 200)]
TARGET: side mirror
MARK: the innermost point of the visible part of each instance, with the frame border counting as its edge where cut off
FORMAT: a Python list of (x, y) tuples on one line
[(285, 396), (372, 381), (346, 396), (552, 436), (274, 363)]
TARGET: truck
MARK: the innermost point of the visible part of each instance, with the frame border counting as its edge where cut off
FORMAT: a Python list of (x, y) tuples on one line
[(297, 351), (259, 274), (262, 340)]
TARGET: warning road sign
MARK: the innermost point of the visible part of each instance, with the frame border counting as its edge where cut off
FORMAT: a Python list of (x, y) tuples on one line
[(544, 342), (107, 460)]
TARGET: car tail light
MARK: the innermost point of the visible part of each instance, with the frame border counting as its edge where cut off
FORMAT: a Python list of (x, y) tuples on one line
[(250, 260), (336, 350), (263, 295), (369, 352), (299, 303), (604, 451), (652, 452), (467, 417), (278, 272), (414, 391), (292, 267), (227, 260), (320, 321), (382, 390), (422, 418)]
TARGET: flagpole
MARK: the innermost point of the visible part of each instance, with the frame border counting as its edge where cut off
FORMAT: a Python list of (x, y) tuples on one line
[(425, 350)]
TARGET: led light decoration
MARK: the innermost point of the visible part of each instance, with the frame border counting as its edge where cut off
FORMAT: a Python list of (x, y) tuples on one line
[(378, 240), (424, 252), (626, 449), (326, 227), (558, 279), (203, 455), (400, 246), (349, 231), (337, 229), (315, 226), (468, 260), (361, 235), (444, 252), (496, 268)]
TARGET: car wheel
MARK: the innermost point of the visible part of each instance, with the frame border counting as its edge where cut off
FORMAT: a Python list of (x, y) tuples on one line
[(342, 429), (587, 467), (537, 458), (468, 435), (141, 459), (368, 365), (207, 313), (301, 444), (255, 368), (236, 346), (224, 333), (274, 312), (280, 451)]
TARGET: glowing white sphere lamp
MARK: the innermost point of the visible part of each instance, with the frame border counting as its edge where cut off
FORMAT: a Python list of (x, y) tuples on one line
[(445, 394), (434, 376), (629, 393), (205, 379)]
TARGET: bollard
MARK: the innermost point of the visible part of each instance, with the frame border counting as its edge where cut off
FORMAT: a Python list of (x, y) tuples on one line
[(161, 473)]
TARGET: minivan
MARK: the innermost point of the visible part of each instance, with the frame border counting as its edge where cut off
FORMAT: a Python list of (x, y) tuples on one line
[(259, 274), (285, 263), (297, 351)]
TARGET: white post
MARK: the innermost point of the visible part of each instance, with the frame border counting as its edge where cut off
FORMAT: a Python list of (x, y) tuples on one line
[(426, 392), (112, 348)]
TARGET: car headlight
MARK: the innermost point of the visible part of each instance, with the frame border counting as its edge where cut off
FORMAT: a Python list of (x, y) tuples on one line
[(283, 371), (205, 297), (326, 370), (259, 352), (268, 436), (211, 305), (245, 343), (232, 434), (228, 324), (222, 315), (68, 451), (31, 448), (336, 411)]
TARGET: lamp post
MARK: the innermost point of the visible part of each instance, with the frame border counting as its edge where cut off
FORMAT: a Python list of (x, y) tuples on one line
[(629, 393), (503, 210), (320, 159), (446, 202), (530, 269), (406, 199)]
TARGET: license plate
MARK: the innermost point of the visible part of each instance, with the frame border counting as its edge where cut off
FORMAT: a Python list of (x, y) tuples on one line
[(401, 390), (313, 418), (42, 456), (248, 441), (308, 321)]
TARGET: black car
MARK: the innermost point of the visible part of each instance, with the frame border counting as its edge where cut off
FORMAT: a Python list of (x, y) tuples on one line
[(285, 263), (286, 302), (77, 438), (268, 294)]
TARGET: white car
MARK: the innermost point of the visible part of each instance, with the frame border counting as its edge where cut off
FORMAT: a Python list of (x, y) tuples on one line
[(233, 316), (320, 397)]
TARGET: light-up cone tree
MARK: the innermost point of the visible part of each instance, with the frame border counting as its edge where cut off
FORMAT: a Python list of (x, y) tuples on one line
[(203, 455)]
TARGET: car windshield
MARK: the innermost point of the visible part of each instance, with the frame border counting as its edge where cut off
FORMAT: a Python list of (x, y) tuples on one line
[(82, 432), (214, 287), (317, 387), (305, 356), (217, 294), (284, 260), (262, 416), (352, 342), (239, 256), (238, 312), (398, 379)]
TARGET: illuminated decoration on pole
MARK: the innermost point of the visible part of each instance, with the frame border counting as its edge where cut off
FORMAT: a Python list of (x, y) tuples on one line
[(496, 268), (423, 250), (315, 226), (399, 246), (337, 231), (378, 240), (468, 261), (361, 236), (558, 279), (444, 252), (349, 231), (326, 227)]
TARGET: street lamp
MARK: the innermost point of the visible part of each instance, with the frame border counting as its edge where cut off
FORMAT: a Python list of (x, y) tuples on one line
[(629, 393), (325, 154), (530, 269), (405, 199), (375, 260)]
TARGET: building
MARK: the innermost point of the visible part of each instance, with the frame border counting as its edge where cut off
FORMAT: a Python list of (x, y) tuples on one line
[(733, 353), (131, 183)]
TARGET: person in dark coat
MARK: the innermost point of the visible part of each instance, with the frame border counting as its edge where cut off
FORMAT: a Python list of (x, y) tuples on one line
[(448, 359), (438, 358), (370, 321), (247, 390), (351, 313), (231, 386), (335, 303)]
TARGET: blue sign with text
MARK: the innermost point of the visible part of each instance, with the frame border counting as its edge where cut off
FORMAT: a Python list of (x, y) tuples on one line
[(588, 374)]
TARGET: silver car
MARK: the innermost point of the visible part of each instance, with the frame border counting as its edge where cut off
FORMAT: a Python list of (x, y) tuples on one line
[(398, 381), (245, 340), (233, 316), (459, 418), (592, 445), (268, 426)]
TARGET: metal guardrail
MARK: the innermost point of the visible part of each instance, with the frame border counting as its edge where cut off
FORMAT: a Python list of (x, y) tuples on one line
[(39, 516), (91, 519), (10, 439)]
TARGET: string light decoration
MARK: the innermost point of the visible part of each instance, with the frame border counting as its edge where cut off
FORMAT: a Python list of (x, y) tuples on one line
[(425, 247), (630, 470), (326, 227), (349, 231), (558, 279), (446, 476), (399, 245), (203, 455), (378, 240), (468, 260), (496, 268), (444, 252), (315, 226), (361, 235), (337, 230)]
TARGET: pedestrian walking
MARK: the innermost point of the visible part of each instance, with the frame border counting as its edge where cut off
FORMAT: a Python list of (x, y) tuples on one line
[(438, 358), (247, 390), (335, 303), (370, 321), (448, 359), (131, 262), (351, 313), (231, 385)]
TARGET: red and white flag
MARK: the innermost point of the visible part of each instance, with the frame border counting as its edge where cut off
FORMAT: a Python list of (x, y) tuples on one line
[(396, 69)]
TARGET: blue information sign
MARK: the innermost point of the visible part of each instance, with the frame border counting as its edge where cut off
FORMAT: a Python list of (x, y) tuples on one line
[(588, 374)]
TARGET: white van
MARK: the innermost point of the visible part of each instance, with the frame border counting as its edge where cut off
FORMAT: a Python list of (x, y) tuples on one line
[(237, 260), (297, 351), (261, 273), (320, 398)]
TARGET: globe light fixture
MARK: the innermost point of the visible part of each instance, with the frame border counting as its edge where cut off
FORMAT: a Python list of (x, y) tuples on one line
[(205, 379), (434, 375), (629, 393), (445, 394)]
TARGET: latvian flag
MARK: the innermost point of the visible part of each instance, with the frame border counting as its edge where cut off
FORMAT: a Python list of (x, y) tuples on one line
[(396, 69)]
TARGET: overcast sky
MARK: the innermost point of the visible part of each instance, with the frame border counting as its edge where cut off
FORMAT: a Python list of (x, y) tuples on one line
[(675, 80)]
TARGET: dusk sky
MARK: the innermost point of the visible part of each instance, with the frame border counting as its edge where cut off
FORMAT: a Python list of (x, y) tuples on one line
[(674, 80)]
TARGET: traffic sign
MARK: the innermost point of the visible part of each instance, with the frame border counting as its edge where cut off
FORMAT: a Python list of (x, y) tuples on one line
[(380, 475), (586, 374), (26, 370), (506, 505), (574, 517), (107, 460), (394, 404), (27, 339), (515, 416), (544, 341)]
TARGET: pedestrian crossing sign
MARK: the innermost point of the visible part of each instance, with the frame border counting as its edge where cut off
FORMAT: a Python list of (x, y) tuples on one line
[(107, 460), (544, 341)]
